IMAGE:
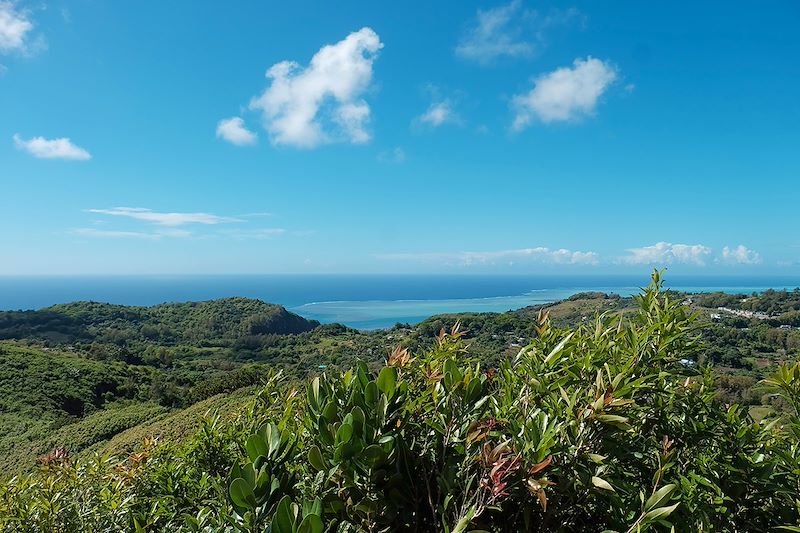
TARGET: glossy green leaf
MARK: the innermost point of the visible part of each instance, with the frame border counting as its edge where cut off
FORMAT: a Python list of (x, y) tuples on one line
[(659, 497), (311, 524), (283, 520), (256, 447), (601, 483), (315, 458), (387, 381), (242, 494)]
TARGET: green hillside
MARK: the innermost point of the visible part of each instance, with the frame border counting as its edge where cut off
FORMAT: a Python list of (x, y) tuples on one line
[(216, 322), (610, 425), (78, 375)]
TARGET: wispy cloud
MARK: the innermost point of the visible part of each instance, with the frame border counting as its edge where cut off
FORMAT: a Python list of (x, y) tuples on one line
[(510, 30), (42, 148), (439, 113), (164, 219), (394, 156), (566, 94), (323, 102), (664, 253), (15, 28), (539, 254), (657, 255), (234, 131), (153, 225), (741, 255), (112, 234), (256, 234)]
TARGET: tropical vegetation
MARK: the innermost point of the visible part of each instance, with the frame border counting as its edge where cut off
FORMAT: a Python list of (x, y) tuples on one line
[(611, 425)]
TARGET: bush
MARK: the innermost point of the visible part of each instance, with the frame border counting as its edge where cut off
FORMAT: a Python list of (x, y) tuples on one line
[(597, 429)]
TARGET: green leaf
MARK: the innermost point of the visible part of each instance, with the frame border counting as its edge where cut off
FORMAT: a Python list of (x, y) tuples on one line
[(262, 484), (613, 419), (312, 507), (344, 434), (256, 446), (659, 497), (249, 474), (283, 520), (661, 512), (373, 454), (324, 432), (242, 494), (329, 413), (311, 524), (358, 418), (461, 525), (371, 393), (362, 372), (601, 483), (387, 381), (313, 395), (273, 437), (315, 458), (474, 390), (555, 351)]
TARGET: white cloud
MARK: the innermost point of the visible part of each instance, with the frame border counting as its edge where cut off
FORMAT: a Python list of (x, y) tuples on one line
[(395, 156), (664, 253), (494, 35), (539, 254), (234, 131), (741, 255), (112, 234), (257, 234), (509, 30), (439, 113), (566, 94), (323, 102), (164, 219), (14, 28), (42, 148)]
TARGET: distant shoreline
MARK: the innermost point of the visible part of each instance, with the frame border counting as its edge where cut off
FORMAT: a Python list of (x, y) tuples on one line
[(361, 302)]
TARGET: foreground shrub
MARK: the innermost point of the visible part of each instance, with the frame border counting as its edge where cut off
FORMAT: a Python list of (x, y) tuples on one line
[(604, 428)]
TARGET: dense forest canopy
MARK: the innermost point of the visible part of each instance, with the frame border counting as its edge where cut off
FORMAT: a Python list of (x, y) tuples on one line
[(211, 322)]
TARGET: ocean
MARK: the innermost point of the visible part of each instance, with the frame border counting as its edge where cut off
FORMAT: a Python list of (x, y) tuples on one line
[(359, 301)]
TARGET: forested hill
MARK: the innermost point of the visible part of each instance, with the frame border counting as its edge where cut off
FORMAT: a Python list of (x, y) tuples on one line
[(215, 322), (88, 376), (78, 374), (501, 422)]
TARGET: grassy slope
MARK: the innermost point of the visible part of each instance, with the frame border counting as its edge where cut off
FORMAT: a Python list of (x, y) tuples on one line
[(77, 375), (50, 397), (176, 425), (37, 387)]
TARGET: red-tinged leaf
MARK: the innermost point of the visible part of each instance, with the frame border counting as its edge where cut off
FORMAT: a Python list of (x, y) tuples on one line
[(535, 469)]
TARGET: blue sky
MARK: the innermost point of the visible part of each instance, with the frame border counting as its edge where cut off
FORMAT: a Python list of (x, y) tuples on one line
[(523, 137)]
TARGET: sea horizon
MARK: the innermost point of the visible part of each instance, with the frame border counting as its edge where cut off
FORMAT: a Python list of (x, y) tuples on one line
[(362, 301)]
